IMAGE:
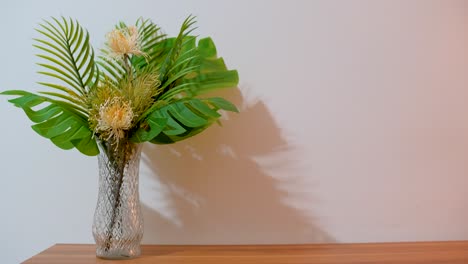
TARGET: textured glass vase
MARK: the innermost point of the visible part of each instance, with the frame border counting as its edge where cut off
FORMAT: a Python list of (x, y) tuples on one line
[(118, 221)]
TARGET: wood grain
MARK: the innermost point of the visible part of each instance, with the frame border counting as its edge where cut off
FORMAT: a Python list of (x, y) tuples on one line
[(455, 252)]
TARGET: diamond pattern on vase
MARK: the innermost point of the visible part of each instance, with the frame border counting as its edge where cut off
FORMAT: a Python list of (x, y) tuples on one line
[(118, 221)]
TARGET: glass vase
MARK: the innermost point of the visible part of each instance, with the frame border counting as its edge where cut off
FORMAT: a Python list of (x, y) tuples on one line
[(118, 221)]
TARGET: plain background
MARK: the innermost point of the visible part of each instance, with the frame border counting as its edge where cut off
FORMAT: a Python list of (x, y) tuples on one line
[(353, 128)]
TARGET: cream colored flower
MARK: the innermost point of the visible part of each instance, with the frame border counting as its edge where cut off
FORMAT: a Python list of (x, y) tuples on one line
[(115, 116), (123, 42)]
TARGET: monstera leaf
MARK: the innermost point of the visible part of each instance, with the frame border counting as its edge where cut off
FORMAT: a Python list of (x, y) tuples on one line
[(57, 121), (181, 120)]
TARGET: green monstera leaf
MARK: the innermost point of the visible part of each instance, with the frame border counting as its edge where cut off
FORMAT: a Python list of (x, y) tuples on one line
[(57, 121), (180, 120)]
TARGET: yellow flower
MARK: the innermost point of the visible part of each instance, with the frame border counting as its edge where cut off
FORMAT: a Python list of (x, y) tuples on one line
[(115, 116), (123, 42)]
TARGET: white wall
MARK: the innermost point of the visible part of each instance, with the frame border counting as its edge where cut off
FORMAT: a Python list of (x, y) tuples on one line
[(354, 128)]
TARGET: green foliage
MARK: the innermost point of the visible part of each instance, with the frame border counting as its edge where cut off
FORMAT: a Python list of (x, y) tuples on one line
[(57, 121), (160, 79), (69, 59), (181, 119)]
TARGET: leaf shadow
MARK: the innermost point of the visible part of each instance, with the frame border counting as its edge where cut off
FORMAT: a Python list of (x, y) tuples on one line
[(211, 189)]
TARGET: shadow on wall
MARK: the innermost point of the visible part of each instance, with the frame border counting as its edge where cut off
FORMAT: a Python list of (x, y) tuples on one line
[(209, 189)]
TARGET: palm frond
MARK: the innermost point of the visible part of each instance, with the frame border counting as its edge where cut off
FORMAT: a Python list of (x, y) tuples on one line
[(113, 69), (152, 44), (191, 69), (181, 49), (68, 57)]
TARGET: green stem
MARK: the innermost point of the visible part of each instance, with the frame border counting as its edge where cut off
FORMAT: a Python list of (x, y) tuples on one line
[(118, 157)]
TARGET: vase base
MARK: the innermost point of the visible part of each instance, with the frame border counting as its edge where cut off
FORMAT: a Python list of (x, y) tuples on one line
[(118, 254), (117, 257)]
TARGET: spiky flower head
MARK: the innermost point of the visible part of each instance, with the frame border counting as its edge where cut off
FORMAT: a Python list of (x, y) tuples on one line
[(115, 116), (123, 42)]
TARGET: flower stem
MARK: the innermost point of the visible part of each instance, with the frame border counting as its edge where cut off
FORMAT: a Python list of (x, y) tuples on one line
[(118, 159), (126, 62)]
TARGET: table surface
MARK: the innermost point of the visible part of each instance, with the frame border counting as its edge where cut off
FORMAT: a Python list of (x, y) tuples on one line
[(453, 252)]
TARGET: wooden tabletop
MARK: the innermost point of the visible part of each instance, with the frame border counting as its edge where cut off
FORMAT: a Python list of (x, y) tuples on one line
[(455, 252)]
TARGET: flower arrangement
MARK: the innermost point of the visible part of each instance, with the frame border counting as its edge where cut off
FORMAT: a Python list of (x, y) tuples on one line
[(144, 87)]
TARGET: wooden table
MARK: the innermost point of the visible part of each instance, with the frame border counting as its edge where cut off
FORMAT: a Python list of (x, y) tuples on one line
[(394, 253)]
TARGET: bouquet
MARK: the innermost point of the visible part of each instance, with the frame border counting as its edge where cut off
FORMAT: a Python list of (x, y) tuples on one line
[(143, 87)]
